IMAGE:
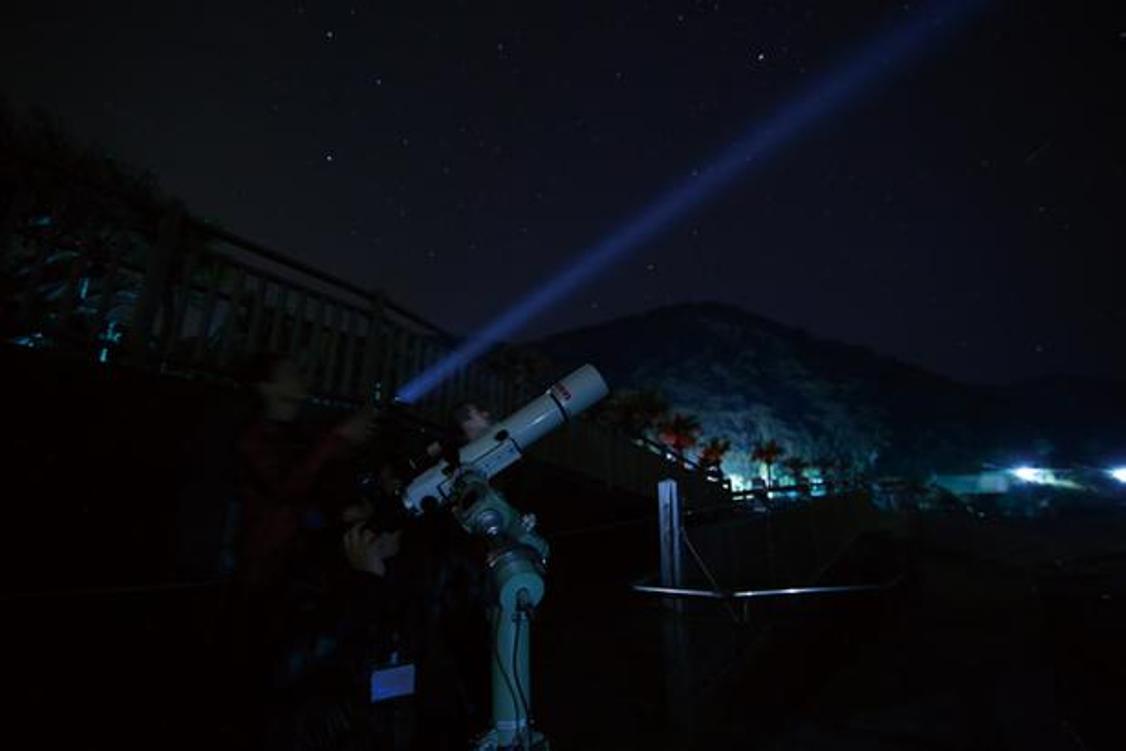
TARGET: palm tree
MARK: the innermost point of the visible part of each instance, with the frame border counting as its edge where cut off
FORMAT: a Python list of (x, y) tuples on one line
[(767, 453), (679, 431), (712, 453)]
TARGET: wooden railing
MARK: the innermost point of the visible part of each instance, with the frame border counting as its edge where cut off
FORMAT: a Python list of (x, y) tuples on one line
[(167, 291)]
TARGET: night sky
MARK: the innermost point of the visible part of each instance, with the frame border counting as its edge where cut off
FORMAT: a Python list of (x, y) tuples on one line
[(966, 214)]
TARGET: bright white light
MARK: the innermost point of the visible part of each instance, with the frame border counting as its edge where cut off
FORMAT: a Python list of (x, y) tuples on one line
[(738, 482), (1032, 474), (1119, 473)]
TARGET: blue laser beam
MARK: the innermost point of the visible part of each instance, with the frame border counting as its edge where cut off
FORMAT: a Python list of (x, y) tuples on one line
[(885, 53)]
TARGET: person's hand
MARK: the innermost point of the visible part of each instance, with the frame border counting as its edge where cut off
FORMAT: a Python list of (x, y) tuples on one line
[(357, 428), (368, 551)]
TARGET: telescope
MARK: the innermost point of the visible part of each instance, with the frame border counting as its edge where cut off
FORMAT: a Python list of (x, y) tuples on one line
[(505, 442), (517, 556)]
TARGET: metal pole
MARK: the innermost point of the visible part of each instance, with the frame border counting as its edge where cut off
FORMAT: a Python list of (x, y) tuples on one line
[(668, 507)]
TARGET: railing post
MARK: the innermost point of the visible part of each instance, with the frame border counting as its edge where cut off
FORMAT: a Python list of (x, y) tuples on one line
[(350, 336), (668, 510), (334, 324), (230, 320), (155, 282), (678, 668), (179, 312), (277, 320), (311, 355), (298, 324), (400, 349), (375, 346), (261, 290)]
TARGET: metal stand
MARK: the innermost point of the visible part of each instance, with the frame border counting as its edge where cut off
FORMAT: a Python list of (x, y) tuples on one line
[(517, 564), (511, 684)]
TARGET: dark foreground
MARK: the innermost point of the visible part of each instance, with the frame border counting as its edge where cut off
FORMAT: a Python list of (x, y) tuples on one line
[(1002, 634)]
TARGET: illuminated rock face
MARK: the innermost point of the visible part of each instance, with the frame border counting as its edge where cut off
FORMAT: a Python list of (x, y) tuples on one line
[(750, 379)]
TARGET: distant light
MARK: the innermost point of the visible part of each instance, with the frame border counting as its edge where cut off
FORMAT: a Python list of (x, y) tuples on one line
[(1119, 473), (31, 341), (1032, 474), (1039, 476)]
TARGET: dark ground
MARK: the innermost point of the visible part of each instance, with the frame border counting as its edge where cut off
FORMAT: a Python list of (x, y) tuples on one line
[(1003, 635), (986, 645)]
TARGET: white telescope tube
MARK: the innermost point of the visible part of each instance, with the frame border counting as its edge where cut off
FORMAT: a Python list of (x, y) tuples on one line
[(505, 442)]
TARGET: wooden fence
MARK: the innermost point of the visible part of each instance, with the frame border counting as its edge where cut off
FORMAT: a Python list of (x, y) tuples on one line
[(163, 290)]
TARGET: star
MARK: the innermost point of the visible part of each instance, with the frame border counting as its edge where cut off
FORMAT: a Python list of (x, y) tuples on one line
[(330, 35), (329, 157)]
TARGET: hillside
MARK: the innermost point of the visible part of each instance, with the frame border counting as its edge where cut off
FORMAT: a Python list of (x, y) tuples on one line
[(748, 378)]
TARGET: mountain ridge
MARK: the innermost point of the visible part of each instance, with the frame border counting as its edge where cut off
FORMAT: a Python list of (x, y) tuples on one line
[(749, 378)]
